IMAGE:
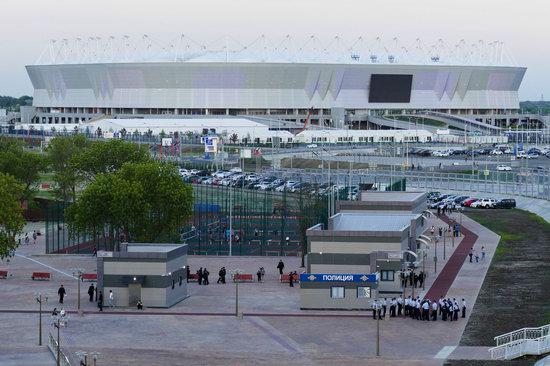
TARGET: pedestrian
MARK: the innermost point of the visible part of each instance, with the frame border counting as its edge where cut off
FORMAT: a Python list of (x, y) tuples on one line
[(374, 306), (221, 275), (111, 299), (416, 279), (199, 276), (188, 270), (61, 292), (482, 253), (463, 308), (259, 275), (100, 301), (384, 307), (281, 266), (262, 270), (91, 291), (139, 305), (471, 254), (399, 305), (434, 311), (432, 230), (456, 309), (477, 257), (256, 233), (34, 235), (440, 231), (421, 279), (393, 305), (205, 275), (291, 279), (426, 311), (94, 252), (438, 211)]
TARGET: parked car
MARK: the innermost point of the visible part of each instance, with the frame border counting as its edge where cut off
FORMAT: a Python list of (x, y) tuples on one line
[(312, 146), (469, 201), (484, 203), (504, 168), (458, 200), (506, 203)]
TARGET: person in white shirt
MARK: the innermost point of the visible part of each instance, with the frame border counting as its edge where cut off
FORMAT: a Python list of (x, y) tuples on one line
[(426, 310), (399, 305), (384, 307), (111, 298), (434, 311)]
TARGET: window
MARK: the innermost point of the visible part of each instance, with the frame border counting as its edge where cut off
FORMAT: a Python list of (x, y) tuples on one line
[(387, 275), (337, 292), (363, 292)]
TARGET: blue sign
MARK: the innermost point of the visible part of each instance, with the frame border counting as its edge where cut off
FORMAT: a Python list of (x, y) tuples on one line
[(323, 277)]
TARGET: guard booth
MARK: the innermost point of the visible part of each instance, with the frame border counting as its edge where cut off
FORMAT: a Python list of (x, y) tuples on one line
[(154, 273)]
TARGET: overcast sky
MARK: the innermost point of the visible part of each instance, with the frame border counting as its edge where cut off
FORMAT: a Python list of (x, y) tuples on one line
[(27, 26)]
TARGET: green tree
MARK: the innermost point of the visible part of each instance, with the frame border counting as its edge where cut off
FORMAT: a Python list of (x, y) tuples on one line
[(11, 214), (24, 166), (63, 153), (106, 157), (145, 202)]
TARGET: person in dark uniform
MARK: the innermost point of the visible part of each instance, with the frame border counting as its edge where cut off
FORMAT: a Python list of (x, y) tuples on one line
[(221, 275), (291, 279), (281, 266), (61, 292), (188, 270), (205, 274), (100, 301), (91, 291), (463, 308), (139, 305), (199, 274)]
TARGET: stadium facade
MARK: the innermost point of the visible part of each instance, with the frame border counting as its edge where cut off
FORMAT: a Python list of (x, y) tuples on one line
[(337, 90)]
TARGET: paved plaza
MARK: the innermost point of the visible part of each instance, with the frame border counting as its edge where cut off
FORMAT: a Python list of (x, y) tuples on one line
[(202, 330)]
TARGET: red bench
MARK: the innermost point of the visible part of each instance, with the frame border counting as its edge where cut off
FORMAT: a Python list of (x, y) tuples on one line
[(45, 276), (286, 278), (243, 277), (4, 274), (193, 277), (89, 277)]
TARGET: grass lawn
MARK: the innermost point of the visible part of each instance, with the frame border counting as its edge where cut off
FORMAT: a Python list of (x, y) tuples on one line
[(419, 121), (516, 291)]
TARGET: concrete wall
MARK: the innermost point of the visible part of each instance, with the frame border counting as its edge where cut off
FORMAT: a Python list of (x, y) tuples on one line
[(319, 298), (353, 247), (342, 268), (135, 268)]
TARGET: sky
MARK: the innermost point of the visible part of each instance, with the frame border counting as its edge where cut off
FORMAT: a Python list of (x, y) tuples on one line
[(27, 26)]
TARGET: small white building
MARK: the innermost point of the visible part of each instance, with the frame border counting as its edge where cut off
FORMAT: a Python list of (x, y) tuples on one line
[(362, 136)]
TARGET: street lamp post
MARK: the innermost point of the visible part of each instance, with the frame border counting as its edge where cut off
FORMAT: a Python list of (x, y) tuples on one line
[(78, 274), (377, 313), (444, 244), (59, 320), (40, 299), (435, 255)]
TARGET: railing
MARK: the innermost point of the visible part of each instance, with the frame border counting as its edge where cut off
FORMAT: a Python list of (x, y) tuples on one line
[(526, 341), (64, 361)]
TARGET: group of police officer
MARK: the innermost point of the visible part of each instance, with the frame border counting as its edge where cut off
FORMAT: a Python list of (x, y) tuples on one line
[(419, 309)]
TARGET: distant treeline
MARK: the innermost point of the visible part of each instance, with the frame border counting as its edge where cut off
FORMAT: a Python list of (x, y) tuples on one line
[(535, 107), (12, 104)]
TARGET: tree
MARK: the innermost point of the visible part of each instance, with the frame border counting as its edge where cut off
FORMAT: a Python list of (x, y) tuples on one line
[(11, 214), (106, 157), (313, 211), (24, 166), (62, 153), (234, 138), (145, 202)]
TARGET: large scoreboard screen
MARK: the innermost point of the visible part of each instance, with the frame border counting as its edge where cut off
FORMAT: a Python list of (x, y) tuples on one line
[(386, 88)]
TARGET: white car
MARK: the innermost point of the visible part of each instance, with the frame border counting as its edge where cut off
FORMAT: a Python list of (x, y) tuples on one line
[(496, 152), (312, 146), (484, 203), (504, 168)]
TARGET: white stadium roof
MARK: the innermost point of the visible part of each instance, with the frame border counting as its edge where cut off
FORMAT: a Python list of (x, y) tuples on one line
[(264, 50)]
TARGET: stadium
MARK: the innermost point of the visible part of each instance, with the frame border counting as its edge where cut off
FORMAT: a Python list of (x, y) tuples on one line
[(334, 86)]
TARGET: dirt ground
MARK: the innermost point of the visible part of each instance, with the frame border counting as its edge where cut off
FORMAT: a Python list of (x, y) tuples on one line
[(515, 292)]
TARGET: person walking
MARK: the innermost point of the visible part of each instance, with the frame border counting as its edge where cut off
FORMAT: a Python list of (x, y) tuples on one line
[(221, 275), (482, 253), (281, 267), (291, 279), (100, 301), (471, 254), (91, 291), (432, 230), (440, 232), (199, 276), (111, 299), (259, 275), (61, 292), (205, 275)]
